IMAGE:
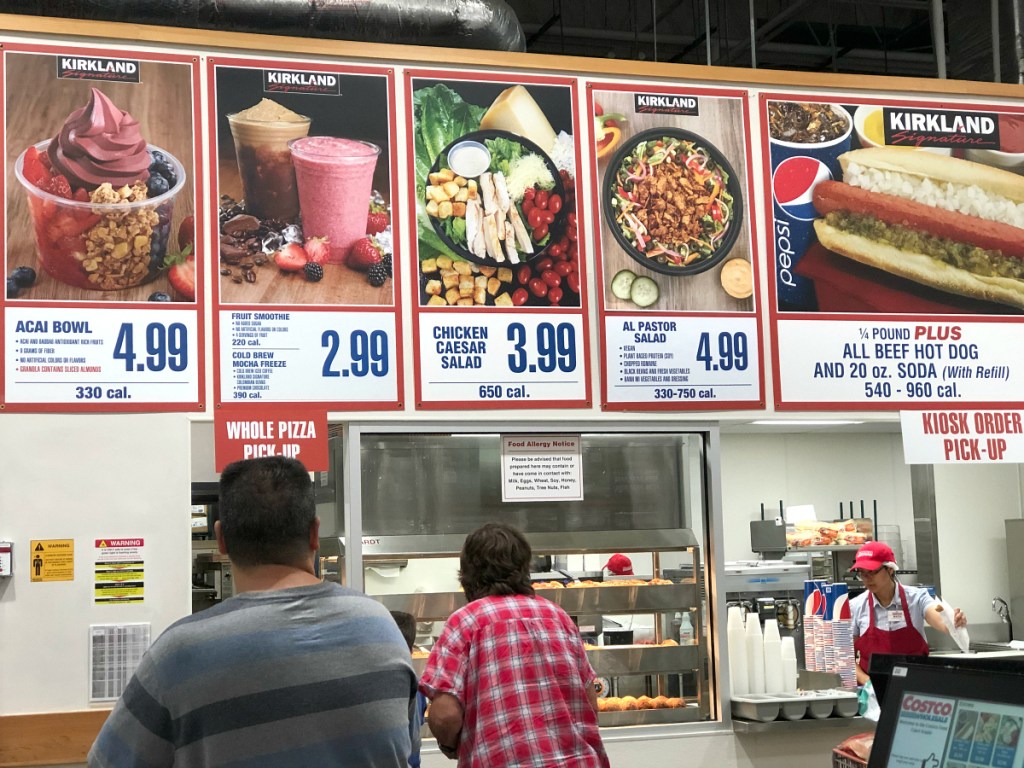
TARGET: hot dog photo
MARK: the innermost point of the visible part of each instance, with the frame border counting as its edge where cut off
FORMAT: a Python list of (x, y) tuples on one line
[(880, 208)]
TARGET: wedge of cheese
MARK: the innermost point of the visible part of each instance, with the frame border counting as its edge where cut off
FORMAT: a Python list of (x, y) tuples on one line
[(515, 111)]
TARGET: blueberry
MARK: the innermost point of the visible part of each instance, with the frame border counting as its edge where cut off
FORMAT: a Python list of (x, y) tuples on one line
[(12, 288), (156, 156), (157, 185), (159, 296), (24, 277), (165, 169)]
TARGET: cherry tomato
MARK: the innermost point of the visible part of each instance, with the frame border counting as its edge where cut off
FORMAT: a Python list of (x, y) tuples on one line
[(533, 218), (547, 217), (557, 250), (527, 206), (543, 265), (538, 288), (554, 294), (529, 193), (520, 297), (573, 281), (554, 203), (571, 232), (542, 198), (540, 232), (572, 251), (571, 218), (551, 277), (524, 273), (563, 268)]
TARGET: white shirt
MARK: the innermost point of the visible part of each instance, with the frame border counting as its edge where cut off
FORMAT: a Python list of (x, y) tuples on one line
[(918, 600)]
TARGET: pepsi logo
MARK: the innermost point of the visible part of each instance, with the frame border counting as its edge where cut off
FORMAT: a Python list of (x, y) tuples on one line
[(793, 185)]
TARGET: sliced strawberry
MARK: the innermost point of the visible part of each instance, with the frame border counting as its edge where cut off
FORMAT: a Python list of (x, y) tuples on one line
[(291, 258), (376, 222), (81, 195), (318, 250), (34, 169), (181, 273), (59, 186), (187, 232), (364, 254)]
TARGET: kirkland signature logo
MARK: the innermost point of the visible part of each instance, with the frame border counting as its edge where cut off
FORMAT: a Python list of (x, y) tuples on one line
[(278, 81), (661, 104), (940, 128), (94, 68)]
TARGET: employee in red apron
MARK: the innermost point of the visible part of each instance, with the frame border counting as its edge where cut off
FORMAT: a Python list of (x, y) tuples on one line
[(890, 617)]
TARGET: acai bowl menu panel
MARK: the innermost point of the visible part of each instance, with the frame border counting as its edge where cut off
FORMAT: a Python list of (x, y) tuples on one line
[(305, 282), (500, 270), (103, 303), (672, 198), (897, 251)]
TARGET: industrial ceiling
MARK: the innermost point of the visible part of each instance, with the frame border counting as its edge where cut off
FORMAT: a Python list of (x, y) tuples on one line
[(890, 37)]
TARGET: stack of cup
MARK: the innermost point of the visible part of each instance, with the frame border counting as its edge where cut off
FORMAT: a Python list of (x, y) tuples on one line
[(841, 626), (755, 653), (773, 682), (813, 610), (789, 669), (738, 668)]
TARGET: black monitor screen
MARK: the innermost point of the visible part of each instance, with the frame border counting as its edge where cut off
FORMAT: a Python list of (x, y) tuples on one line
[(950, 718)]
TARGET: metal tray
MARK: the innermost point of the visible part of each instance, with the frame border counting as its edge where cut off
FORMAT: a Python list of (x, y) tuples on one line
[(438, 606), (688, 714), (612, 661)]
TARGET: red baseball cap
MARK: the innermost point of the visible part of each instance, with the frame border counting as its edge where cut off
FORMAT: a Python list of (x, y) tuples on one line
[(874, 555), (620, 565)]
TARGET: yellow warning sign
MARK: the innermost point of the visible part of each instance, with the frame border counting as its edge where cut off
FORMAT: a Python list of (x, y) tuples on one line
[(52, 560)]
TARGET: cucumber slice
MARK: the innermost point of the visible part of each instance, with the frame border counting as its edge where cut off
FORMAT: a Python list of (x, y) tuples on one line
[(643, 292), (622, 283)]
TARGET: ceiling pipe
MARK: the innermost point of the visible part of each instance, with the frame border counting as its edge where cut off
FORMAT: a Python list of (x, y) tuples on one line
[(483, 24)]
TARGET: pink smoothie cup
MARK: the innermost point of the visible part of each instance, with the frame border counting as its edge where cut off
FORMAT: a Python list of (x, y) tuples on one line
[(335, 179)]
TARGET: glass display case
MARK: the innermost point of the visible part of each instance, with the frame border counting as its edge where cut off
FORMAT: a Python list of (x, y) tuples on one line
[(647, 636)]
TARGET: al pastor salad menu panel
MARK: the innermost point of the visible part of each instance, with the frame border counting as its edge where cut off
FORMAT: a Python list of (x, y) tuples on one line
[(500, 266), (672, 210), (306, 291), (898, 252), (103, 304)]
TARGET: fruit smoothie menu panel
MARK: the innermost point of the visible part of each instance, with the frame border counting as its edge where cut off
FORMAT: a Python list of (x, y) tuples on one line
[(500, 267), (897, 252), (103, 304), (305, 286), (677, 274)]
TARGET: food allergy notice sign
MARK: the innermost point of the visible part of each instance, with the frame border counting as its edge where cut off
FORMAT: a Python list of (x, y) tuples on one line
[(541, 468)]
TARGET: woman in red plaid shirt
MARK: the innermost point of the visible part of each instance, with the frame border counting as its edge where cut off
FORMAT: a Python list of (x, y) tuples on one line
[(508, 679)]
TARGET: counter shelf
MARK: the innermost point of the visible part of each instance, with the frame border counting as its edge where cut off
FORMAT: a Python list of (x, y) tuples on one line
[(612, 661), (691, 713)]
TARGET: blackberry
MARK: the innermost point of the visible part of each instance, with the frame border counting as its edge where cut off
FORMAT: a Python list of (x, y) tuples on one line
[(377, 274), (24, 276), (314, 272), (386, 262)]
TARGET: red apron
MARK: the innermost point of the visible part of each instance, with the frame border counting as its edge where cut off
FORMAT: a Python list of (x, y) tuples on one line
[(906, 641)]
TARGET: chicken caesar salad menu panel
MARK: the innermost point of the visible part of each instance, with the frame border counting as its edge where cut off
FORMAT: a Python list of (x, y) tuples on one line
[(305, 284), (897, 243), (103, 304), (500, 268), (677, 274)]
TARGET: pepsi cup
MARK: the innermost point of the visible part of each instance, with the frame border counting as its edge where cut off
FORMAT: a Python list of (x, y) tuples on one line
[(796, 170)]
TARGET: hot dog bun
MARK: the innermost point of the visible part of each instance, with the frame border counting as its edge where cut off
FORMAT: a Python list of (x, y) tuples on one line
[(943, 222)]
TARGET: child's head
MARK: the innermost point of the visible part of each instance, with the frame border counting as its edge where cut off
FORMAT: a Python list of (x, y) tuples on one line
[(407, 623)]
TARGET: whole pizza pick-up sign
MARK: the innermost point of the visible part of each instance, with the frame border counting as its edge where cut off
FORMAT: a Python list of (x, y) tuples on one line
[(298, 433), (963, 437)]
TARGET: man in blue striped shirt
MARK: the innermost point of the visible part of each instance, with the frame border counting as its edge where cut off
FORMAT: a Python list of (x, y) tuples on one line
[(291, 671)]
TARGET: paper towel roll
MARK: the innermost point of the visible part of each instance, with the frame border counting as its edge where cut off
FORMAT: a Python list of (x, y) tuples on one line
[(755, 654)]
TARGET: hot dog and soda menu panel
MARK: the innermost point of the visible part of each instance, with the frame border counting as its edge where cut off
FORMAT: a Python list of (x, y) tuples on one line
[(500, 306), (897, 236), (305, 293), (103, 306), (674, 229)]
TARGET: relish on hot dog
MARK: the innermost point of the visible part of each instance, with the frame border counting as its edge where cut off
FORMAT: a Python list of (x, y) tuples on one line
[(947, 223)]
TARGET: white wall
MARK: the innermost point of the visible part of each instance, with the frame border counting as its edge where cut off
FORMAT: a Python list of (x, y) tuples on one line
[(85, 477)]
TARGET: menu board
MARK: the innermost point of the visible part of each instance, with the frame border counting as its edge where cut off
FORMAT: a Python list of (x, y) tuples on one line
[(500, 310), (305, 298), (674, 220), (896, 278), (103, 303)]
